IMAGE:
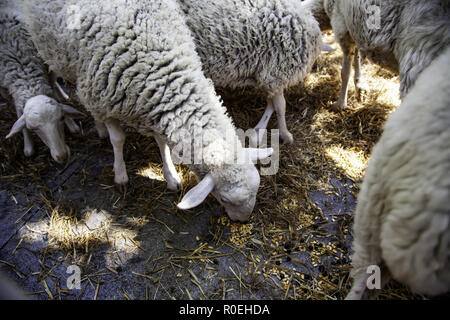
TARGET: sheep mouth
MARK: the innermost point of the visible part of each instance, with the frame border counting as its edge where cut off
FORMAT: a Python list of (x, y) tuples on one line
[(238, 217)]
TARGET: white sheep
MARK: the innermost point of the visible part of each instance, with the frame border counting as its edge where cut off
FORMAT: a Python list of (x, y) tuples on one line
[(269, 45), (135, 61), (402, 218), (403, 35), (23, 78)]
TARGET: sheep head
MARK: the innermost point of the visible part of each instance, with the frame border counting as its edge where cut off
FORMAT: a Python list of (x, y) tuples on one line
[(235, 186), (45, 116)]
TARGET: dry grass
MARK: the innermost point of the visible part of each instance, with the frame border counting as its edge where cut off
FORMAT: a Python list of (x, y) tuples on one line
[(327, 145), (290, 246)]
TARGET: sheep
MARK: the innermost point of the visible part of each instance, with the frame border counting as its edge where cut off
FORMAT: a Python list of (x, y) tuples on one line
[(269, 45), (23, 78), (135, 61), (403, 36), (402, 218)]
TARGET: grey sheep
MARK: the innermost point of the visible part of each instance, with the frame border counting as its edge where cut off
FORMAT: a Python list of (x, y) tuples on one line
[(135, 61), (402, 35), (402, 218), (23, 78), (266, 44)]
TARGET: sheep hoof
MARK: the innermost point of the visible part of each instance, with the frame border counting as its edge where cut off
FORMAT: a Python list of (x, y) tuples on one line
[(174, 185), (338, 106), (121, 178), (362, 90), (28, 151), (287, 138), (173, 180), (121, 188)]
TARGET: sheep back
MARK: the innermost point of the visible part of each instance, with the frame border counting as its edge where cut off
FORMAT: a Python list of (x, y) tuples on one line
[(267, 44), (131, 60)]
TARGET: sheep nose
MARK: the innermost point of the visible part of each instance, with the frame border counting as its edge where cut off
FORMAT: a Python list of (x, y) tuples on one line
[(62, 157), (242, 218)]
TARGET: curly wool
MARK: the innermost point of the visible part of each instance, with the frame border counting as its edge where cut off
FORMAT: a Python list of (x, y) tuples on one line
[(23, 74), (269, 45), (402, 217), (133, 61), (411, 33)]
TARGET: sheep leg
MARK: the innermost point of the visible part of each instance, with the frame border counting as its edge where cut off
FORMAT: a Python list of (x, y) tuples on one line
[(257, 138), (279, 104), (170, 173), (101, 129), (358, 288), (385, 278), (361, 260), (28, 145), (341, 104), (361, 86), (117, 138)]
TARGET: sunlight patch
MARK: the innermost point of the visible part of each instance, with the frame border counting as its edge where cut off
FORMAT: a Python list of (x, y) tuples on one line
[(352, 162), (66, 231), (152, 172)]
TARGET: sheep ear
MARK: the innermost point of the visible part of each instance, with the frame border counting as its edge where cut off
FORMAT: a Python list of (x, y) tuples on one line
[(327, 48), (71, 111), (17, 127), (197, 194), (71, 125), (258, 153)]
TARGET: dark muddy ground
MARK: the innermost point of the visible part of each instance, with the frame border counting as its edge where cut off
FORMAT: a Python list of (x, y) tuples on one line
[(134, 244), (156, 258)]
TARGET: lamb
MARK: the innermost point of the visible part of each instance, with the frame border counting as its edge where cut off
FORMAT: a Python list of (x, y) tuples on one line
[(404, 36), (23, 78), (269, 45), (402, 218), (135, 61)]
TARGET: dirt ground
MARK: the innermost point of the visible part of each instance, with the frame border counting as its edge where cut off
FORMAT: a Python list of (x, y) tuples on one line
[(133, 243)]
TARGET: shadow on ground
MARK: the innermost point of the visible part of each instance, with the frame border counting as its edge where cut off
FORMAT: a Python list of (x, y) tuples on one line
[(134, 244)]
